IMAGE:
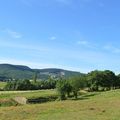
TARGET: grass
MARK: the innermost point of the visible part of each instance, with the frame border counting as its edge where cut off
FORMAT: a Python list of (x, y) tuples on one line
[(8, 102), (27, 94), (89, 106), (38, 96), (2, 85)]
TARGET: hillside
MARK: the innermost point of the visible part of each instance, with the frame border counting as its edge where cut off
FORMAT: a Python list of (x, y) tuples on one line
[(8, 71)]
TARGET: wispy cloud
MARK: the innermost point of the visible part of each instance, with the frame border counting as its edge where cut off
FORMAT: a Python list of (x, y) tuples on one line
[(82, 43), (53, 38), (85, 43), (12, 33), (112, 48)]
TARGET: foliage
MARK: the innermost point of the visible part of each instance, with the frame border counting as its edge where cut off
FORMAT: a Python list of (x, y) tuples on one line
[(91, 106), (77, 83), (102, 79), (27, 85), (62, 88), (19, 85), (73, 85)]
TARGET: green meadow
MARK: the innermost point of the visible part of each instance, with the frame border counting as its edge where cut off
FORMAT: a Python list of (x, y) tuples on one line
[(88, 106), (2, 85)]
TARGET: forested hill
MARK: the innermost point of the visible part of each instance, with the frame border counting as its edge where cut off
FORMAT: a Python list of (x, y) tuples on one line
[(8, 71)]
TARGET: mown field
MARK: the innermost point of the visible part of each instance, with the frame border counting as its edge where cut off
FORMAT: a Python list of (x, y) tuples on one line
[(89, 106)]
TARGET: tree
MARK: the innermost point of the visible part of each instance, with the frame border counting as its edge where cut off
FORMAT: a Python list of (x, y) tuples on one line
[(51, 83), (19, 85), (117, 82), (108, 79), (105, 79), (61, 88), (94, 80), (77, 83), (68, 88)]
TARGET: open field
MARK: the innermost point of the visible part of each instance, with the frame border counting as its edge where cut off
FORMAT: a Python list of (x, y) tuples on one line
[(2, 84), (90, 106), (38, 96), (27, 94)]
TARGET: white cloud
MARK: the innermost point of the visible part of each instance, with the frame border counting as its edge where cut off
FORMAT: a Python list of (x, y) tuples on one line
[(82, 43), (87, 44), (111, 49), (12, 33), (53, 38)]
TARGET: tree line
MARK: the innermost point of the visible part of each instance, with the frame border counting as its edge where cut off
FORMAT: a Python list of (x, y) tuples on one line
[(93, 81)]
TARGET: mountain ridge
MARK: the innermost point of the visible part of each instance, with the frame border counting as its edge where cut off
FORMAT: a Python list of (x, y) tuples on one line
[(10, 71)]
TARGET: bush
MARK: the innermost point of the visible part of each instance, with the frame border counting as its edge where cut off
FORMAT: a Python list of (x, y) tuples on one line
[(19, 85)]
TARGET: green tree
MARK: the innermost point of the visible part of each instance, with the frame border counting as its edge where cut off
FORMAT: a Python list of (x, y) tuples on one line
[(19, 85), (61, 88), (101, 79), (77, 83)]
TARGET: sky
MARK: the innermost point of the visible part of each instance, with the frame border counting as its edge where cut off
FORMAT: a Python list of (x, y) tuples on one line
[(78, 35)]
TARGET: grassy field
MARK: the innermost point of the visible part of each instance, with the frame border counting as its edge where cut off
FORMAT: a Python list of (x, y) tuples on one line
[(89, 106), (6, 97), (2, 84), (27, 94)]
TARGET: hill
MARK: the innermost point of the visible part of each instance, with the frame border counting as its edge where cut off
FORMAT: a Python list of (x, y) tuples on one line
[(8, 71)]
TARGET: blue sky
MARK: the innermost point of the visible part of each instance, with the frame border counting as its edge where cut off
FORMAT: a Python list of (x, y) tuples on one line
[(81, 35)]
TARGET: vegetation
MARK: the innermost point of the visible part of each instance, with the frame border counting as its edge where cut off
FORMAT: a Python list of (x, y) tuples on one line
[(5, 95), (102, 80), (62, 88), (27, 85), (93, 81), (92, 103), (90, 106), (19, 85), (73, 85), (2, 85), (7, 98), (19, 72)]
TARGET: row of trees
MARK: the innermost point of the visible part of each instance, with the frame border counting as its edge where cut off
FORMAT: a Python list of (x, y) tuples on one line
[(102, 80), (93, 81), (30, 85)]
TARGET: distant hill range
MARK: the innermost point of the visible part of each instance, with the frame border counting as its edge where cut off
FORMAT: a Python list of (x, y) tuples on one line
[(8, 71)]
